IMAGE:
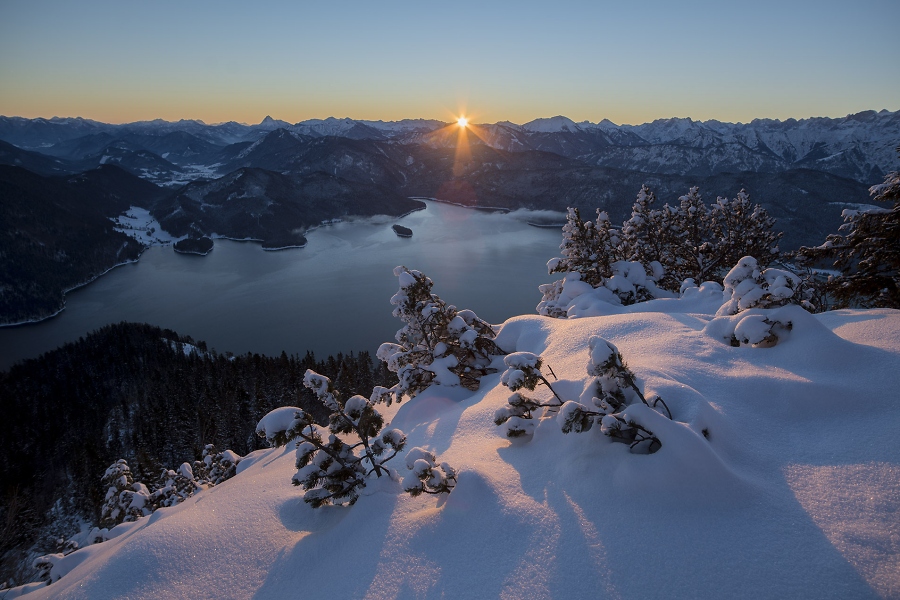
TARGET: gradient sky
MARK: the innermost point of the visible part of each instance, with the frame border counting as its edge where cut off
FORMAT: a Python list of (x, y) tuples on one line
[(630, 62)]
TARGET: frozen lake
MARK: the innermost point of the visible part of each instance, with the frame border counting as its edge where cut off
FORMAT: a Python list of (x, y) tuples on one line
[(331, 296)]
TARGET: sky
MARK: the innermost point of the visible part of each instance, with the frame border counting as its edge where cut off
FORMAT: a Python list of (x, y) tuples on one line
[(629, 62)]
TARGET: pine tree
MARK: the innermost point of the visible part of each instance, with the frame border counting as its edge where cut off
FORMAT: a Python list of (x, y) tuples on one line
[(125, 499), (615, 388), (867, 254), (739, 228), (648, 237), (438, 343), (174, 487), (214, 467), (747, 286), (333, 463), (588, 248), (426, 476), (692, 254)]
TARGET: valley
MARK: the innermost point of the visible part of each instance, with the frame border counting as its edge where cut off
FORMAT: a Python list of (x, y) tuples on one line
[(273, 182)]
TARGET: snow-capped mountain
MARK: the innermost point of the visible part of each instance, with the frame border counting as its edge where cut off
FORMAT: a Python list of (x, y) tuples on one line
[(365, 130), (347, 128), (405, 126), (270, 124), (859, 146)]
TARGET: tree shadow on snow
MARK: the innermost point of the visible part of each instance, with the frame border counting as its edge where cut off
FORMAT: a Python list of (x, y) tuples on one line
[(335, 549)]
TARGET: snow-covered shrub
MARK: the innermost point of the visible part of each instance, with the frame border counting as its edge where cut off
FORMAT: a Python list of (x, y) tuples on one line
[(437, 344), (214, 467), (614, 387), (334, 462), (867, 254), (748, 286), (426, 475), (174, 487), (125, 500), (631, 283), (558, 296), (756, 327), (523, 371)]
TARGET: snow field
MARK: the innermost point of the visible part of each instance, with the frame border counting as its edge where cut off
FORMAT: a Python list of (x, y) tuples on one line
[(795, 492)]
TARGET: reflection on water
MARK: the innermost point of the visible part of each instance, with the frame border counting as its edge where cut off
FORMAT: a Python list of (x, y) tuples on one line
[(334, 295)]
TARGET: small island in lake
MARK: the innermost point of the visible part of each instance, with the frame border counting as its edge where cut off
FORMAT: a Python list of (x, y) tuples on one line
[(284, 243), (402, 231), (200, 246)]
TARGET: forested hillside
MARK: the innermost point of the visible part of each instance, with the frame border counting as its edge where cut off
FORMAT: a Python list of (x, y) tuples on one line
[(141, 393)]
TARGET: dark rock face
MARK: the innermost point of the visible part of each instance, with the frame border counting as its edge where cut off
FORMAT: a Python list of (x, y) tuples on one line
[(402, 231)]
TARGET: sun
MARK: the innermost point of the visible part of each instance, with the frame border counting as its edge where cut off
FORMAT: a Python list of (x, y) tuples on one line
[(462, 121)]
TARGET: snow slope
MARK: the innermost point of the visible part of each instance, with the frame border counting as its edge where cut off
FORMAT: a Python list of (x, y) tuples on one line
[(795, 493)]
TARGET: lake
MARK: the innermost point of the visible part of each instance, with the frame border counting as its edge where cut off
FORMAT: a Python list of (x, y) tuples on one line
[(331, 296)]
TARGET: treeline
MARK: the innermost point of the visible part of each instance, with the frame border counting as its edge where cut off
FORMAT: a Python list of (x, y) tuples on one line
[(148, 395)]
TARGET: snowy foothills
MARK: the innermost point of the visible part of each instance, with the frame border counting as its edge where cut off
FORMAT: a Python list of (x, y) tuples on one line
[(702, 405)]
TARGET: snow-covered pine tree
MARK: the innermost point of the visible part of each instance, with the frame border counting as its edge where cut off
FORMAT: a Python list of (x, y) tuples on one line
[(333, 463), (693, 254), (437, 343), (867, 254), (426, 476), (588, 248), (702, 241), (748, 285), (580, 249), (125, 499), (174, 487), (523, 371), (740, 229), (214, 467), (615, 389), (596, 254), (648, 235)]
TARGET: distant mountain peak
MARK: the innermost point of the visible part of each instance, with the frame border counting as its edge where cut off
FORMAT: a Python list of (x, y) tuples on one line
[(552, 125), (272, 124)]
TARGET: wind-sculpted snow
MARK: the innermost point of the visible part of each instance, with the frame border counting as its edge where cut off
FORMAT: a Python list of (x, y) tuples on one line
[(776, 477)]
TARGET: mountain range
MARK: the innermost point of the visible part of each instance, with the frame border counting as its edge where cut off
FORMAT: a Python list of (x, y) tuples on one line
[(274, 180), (860, 146)]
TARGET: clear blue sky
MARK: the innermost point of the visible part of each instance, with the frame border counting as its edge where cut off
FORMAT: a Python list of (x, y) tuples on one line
[(630, 62)]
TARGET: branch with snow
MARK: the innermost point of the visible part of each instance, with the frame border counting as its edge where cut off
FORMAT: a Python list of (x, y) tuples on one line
[(426, 476), (615, 387), (333, 463)]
